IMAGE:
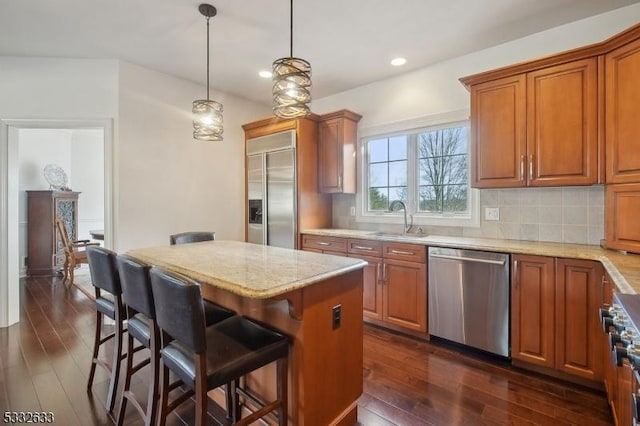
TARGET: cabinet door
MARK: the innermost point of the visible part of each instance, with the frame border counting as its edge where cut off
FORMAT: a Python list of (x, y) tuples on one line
[(622, 209), (498, 133), (562, 124), (579, 294), (371, 287), (330, 156), (405, 294), (622, 94), (532, 310)]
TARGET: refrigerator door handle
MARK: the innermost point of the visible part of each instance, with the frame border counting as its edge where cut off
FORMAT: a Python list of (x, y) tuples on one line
[(265, 200)]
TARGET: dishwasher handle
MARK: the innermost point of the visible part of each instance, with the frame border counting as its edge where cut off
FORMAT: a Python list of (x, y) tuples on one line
[(468, 259)]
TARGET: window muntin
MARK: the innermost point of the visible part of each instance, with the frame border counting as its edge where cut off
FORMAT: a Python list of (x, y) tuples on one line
[(428, 169)]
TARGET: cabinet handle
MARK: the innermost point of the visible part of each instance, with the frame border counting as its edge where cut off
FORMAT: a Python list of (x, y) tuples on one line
[(340, 180), (408, 253), (378, 276), (363, 248), (384, 273), (322, 243), (515, 273), (522, 167), (531, 167)]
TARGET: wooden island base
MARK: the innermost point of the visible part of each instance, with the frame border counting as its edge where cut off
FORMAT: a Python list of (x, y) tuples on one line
[(325, 364)]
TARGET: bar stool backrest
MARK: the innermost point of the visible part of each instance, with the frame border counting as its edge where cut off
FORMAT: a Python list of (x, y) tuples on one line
[(179, 312), (104, 269), (191, 237), (136, 285)]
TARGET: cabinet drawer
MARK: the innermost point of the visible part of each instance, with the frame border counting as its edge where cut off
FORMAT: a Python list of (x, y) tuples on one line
[(365, 247), (324, 243), (406, 252)]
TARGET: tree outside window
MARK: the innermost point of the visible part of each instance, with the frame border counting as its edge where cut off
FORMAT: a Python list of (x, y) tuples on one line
[(443, 170)]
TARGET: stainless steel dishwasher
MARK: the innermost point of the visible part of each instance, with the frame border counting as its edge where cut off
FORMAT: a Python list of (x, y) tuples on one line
[(469, 298)]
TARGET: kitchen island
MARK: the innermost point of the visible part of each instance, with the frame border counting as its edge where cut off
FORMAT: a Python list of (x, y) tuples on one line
[(298, 293)]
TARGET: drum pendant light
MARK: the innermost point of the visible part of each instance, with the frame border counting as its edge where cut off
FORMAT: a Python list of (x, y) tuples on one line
[(207, 114), (291, 83)]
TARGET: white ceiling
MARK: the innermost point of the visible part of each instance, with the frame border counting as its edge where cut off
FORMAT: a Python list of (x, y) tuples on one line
[(348, 42)]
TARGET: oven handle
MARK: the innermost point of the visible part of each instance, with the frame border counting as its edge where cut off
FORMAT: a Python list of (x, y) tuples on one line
[(468, 259)]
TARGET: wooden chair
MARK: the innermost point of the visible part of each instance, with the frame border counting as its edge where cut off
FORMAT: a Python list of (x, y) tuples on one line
[(74, 251)]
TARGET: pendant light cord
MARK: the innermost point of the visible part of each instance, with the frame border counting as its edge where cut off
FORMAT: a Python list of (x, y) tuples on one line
[(208, 57), (291, 30)]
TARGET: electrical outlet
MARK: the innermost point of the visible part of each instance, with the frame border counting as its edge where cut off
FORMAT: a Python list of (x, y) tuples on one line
[(491, 213), (352, 211), (336, 315)]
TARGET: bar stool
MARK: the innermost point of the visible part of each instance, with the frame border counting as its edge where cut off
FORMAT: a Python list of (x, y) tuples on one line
[(106, 283), (191, 237), (141, 315), (206, 358)]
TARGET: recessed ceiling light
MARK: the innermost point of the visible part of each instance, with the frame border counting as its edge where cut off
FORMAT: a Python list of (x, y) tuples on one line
[(265, 74), (396, 62)]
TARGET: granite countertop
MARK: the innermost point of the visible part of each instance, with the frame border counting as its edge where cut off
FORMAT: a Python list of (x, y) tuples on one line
[(624, 269), (249, 270)]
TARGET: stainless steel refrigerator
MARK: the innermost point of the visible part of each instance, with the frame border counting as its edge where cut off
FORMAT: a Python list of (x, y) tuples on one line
[(271, 175)]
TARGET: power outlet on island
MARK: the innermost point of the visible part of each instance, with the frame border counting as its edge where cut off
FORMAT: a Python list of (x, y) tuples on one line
[(491, 213)]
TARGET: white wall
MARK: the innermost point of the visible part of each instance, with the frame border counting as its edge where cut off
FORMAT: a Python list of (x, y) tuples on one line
[(87, 177), (167, 181), (42, 89), (436, 91)]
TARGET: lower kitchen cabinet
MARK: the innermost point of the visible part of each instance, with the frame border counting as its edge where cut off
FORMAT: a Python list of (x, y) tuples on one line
[(372, 287), (532, 310), (579, 295), (321, 244), (394, 281), (405, 294), (554, 317)]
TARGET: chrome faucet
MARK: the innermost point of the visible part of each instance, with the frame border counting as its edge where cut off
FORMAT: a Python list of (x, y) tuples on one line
[(395, 204)]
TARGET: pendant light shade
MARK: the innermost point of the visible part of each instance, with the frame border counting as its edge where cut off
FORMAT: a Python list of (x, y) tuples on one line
[(291, 82), (207, 114)]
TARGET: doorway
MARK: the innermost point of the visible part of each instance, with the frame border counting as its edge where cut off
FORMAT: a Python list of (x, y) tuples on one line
[(22, 136)]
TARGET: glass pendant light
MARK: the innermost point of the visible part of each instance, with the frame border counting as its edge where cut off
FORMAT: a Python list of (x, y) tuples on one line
[(207, 114), (291, 83)]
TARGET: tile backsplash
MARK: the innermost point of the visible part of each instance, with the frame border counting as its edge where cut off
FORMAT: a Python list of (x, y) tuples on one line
[(568, 214)]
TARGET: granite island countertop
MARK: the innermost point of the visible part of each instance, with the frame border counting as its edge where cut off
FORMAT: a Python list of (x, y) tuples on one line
[(249, 270), (624, 269)]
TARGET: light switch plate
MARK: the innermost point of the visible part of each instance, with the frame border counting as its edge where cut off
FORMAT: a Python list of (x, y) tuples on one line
[(491, 213), (352, 211)]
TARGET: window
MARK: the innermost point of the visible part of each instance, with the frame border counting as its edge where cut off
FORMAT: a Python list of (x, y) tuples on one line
[(427, 169)]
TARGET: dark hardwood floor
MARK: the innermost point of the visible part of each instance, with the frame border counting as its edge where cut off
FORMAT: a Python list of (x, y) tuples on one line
[(44, 363)]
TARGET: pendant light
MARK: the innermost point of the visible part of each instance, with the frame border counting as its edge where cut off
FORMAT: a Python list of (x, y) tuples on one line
[(291, 83), (207, 114)]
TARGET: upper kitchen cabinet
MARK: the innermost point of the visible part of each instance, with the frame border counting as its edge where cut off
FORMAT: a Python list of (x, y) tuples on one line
[(622, 76), (498, 133), (536, 128), (337, 140)]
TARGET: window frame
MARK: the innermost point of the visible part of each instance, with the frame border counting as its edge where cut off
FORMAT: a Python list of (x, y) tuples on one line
[(412, 129)]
